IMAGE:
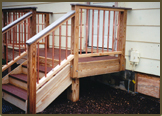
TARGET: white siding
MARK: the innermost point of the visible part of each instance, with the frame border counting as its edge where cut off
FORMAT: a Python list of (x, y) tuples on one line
[(143, 35)]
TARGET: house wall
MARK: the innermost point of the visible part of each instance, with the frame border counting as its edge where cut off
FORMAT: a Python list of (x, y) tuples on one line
[(143, 35)]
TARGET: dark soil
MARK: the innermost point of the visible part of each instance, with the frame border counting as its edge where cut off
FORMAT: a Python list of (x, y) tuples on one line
[(97, 98)]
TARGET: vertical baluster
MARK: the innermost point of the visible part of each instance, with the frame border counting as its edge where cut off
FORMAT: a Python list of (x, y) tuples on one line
[(108, 32), (9, 21), (42, 24), (87, 12), (28, 28), (13, 34), (22, 31), (92, 29), (6, 50), (19, 36), (113, 32), (103, 30), (81, 32), (59, 45), (53, 48), (25, 34), (66, 37), (38, 63), (118, 31), (98, 25), (45, 56), (16, 28)]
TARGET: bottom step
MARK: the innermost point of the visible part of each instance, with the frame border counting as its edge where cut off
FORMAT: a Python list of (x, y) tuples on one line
[(15, 101)]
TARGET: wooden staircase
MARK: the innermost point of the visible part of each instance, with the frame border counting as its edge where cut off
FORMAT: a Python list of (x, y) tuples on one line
[(14, 86)]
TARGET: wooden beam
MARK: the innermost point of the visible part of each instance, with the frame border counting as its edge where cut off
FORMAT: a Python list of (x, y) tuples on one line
[(14, 61), (122, 38), (98, 67), (76, 42), (73, 90), (31, 83), (148, 85), (47, 24), (32, 73), (99, 54)]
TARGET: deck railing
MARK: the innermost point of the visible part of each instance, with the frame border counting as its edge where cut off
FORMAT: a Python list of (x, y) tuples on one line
[(13, 38), (18, 26), (34, 56), (108, 25)]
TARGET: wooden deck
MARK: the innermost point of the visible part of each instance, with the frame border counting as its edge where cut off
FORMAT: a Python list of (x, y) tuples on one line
[(63, 52)]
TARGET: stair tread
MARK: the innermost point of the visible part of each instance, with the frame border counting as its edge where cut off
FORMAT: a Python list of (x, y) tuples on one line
[(16, 91), (42, 68), (22, 77)]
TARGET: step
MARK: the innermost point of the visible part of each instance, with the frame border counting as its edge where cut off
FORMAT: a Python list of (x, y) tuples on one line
[(41, 68), (21, 77), (15, 91)]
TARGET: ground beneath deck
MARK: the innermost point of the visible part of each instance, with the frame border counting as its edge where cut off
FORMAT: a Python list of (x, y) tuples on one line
[(97, 98)]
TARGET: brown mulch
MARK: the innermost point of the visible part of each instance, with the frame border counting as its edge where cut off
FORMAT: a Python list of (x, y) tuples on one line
[(97, 98)]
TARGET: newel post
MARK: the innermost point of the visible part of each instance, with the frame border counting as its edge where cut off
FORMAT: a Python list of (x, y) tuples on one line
[(122, 38), (31, 82), (73, 91)]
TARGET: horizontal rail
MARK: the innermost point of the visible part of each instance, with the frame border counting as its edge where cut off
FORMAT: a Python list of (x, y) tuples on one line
[(14, 23), (14, 61), (50, 28), (54, 71), (99, 54), (99, 7)]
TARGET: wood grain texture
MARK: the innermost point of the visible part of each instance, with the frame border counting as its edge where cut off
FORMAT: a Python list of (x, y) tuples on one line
[(13, 100), (148, 85), (18, 83), (98, 67), (53, 88), (76, 43), (122, 38), (15, 91), (54, 71), (31, 104), (47, 24), (17, 70), (14, 61), (73, 90)]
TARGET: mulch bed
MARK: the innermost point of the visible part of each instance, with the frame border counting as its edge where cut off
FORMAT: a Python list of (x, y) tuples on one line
[(97, 98)]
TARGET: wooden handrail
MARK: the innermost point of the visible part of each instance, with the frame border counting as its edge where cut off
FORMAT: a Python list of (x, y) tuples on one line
[(14, 23), (14, 61), (50, 28), (99, 7)]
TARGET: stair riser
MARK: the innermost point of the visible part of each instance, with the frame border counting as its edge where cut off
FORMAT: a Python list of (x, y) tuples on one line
[(18, 83), (24, 70), (15, 101)]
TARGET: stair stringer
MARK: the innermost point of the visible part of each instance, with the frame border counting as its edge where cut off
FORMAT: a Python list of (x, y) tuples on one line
[(17, 70), (53, 88)]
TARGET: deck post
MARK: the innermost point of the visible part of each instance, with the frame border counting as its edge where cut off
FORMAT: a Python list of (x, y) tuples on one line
[(73, 90), (47, 24), (122, 38), (31, 82)]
